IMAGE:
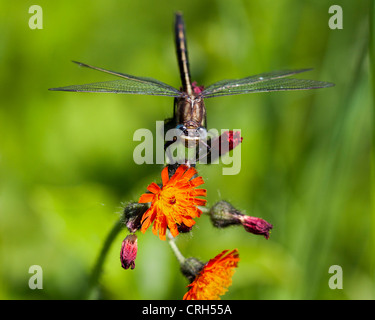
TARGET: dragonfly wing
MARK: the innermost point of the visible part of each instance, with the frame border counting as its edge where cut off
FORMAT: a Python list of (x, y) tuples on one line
[(122, 86), (128, 84), (271, 81)]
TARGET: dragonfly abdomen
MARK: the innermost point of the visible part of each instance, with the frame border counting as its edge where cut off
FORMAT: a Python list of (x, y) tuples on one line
[(182, 55)]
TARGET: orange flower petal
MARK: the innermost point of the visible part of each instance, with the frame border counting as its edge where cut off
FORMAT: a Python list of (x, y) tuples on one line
[(178, 174), (197, 181), (189, 173), (199, 192), (164, 176), (173, 229), (154, 188), (200, 202), (146, 220), (146, 197), (188, 221), (161, 226)]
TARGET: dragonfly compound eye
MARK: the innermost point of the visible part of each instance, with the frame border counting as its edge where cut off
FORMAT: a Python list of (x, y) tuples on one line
[(182, 128), (202, 132)]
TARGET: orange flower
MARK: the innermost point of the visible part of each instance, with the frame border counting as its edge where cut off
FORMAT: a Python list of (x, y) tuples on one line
[(215, 277), (174, 203)]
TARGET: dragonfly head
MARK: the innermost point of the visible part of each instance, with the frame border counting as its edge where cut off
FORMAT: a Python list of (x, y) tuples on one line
[(191, 134)]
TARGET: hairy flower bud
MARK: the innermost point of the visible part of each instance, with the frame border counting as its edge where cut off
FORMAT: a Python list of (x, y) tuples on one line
[(129, 250), (132, 215), (191, 267), (223, 214)]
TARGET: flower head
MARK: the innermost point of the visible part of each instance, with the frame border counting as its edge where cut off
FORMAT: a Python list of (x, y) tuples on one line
[(129, 250), (214, 278), (174, 204)]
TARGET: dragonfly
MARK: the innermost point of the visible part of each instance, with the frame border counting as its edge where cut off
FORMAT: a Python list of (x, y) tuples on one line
[(189, 112)]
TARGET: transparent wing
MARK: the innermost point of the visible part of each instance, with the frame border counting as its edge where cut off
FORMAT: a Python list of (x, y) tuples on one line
[(128, 84), (271, 81)]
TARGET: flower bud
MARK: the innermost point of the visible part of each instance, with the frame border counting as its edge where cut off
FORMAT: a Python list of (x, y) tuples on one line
[(197, 89), (256, 226), (233, 138), (221, 145), (129, 251), (191, 267), (227, 141), (223, 214), (132, 215)]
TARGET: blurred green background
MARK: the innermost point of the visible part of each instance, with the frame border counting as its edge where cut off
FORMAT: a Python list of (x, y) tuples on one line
[(66, 159)]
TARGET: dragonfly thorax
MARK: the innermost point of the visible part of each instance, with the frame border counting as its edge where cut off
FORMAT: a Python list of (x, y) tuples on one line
[(191, 112)]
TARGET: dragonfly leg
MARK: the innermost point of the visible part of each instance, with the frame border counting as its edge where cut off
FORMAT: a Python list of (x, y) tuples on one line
[(169, 143), (203, 154)]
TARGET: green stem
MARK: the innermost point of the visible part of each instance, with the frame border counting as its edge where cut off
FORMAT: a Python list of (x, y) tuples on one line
[(176, 251), (98, 267)]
